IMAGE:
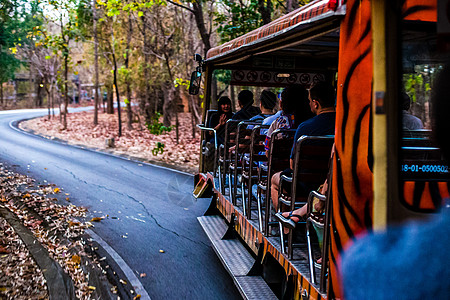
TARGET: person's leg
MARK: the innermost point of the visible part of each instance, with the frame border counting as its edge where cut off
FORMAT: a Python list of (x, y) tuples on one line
[(274, 189)]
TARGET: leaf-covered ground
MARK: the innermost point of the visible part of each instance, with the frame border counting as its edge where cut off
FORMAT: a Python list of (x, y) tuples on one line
[(54, 226), (138, 142), (20, 277)]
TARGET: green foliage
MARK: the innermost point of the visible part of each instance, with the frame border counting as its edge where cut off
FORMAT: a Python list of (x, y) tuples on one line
[(158, 149), (238, 19), (413, 84), (124, 73), (16, 20), (223, 76), (182, 82), (84, 17), (115, 7), (157, 127)]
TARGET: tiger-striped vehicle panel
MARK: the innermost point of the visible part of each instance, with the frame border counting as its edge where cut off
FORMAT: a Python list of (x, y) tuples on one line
[(352, 178)]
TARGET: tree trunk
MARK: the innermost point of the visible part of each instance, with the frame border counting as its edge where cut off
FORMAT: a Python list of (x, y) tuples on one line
[(110, 99), (147, 98), (127, 59), (66, 91), (167, 106), (233, 96), (94, 16), (48, 98), (32, 102), (52, 93), (200, 21), (177, 124), (115, 82), (59, 106), (265, 11), (213, 99), (1, 94), (188, 62)]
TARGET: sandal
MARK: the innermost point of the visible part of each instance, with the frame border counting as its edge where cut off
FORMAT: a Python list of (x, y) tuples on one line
[(288, 222), (318, 263)]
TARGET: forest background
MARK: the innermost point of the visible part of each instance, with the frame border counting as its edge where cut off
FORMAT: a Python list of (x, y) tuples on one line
[(53, 53)]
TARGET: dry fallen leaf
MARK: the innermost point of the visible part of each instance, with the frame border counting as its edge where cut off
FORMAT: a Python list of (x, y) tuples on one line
[(96, 219), (143, 275), (71, 223), (56, 190), (162, 251), (122, 281), (138, 296), (92, 288), (76, 259)]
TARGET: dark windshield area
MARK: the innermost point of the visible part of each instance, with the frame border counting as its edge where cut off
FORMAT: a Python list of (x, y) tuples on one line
[(424, 173)]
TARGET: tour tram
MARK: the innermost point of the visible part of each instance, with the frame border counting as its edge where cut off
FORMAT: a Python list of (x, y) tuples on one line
[(381, 172)]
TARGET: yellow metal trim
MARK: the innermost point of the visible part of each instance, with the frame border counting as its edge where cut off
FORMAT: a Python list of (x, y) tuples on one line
[(380, 188)]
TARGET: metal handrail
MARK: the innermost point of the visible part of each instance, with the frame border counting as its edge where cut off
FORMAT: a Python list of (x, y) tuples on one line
[(202, 127)]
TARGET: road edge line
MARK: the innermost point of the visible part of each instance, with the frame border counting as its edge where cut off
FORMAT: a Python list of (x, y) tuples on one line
[(93, 150), (137, 285)]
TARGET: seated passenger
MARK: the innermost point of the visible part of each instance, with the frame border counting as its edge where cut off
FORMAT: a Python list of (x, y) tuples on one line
[(268, 101), (409, 121), (245, 101), (289, 219), (219, 119), (269, 120), (321, 101), (294, 110)]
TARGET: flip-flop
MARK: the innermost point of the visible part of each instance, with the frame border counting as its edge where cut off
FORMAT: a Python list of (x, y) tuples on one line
[(300, 218), (288, 222), (318, 263)]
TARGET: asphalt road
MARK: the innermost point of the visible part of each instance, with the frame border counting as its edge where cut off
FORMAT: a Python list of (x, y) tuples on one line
[(150, 209)]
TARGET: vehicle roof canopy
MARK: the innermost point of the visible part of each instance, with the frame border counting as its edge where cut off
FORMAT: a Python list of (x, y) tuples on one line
[(308, 35)]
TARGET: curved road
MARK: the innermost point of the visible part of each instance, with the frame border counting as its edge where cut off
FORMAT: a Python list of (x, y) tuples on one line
[(150, 209)]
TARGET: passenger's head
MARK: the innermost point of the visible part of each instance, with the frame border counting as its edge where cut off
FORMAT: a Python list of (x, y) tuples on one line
[(321, 96), (406, 101), (291, 96), (441, 110), (268, 99), (224, 105), (245, 98), (294, 100)]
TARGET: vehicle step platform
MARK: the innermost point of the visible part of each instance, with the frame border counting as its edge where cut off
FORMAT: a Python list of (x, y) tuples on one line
[(236, 259)]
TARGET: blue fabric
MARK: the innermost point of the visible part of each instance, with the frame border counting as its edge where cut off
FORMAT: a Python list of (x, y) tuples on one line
[(246, 113), (322, 124), (258, 118), (407, 262), (269, 120)]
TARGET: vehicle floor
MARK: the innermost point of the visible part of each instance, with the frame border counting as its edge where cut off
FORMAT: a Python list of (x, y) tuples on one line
[(300, 252)]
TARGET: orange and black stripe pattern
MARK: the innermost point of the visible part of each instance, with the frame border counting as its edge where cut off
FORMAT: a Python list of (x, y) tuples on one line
[(424, 197), (352, 178)]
